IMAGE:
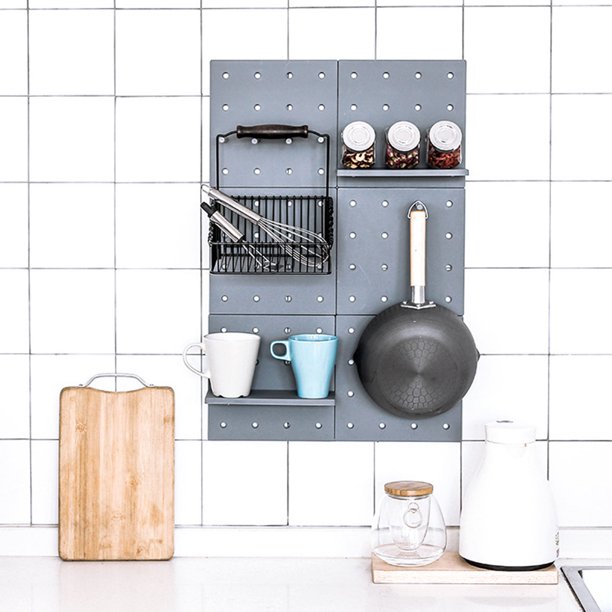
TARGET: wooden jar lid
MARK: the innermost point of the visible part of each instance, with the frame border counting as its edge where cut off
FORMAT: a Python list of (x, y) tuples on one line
[(408, 488)]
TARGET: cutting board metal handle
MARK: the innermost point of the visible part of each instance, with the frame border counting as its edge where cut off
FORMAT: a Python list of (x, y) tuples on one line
[(116, 375)]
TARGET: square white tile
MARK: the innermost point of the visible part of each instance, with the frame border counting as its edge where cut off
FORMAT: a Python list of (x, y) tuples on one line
[(146, 67), (383, 3), (158, 139), (13, 225), (585, 463), (206, 139), (71, 52), (572, 332), (583, 166), (62, 218), (472, 455), (507, 387), (507, 225), (580, 238), (246, 40), (14, 482), (158, 311), (72, 311), (244, 483), (171, 372), (45, 477), (188, 483), (581, 39), (250, 4), (15, 406), (436, 462), (326, 33), (14, 45), (71, 139), (393, 41), (14, 324), (507, 310), (331, 483), (15, 4), (71, 4), (496, 64), (158, 4), (327, 3), (50, 374), (579, 391), (158, 226), (14, 141), (526, 118)]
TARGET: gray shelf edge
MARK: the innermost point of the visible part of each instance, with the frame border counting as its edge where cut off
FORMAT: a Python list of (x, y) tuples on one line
[(270, 398), (416, 173)]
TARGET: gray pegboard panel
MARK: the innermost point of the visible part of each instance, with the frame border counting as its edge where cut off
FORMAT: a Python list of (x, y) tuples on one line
[(240, 97), (367, 88), (366, 216), (271, 373), (360, 418), (290, 294), (246, 422)]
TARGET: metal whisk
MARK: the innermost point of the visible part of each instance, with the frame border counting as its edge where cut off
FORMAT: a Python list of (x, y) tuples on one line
[(307, 247)]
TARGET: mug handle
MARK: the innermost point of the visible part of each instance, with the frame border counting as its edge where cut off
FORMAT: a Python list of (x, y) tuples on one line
[(202, 345), (286, 356)]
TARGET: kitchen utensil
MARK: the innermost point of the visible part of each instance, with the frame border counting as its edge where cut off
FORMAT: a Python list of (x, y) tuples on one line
[(416, 358), (409, 528), (297, 242), (312, 358), (229, 362), (116, 473), (236, 236), (508, 519)]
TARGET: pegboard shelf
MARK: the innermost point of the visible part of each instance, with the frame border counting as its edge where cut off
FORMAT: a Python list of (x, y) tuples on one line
[(270, 397), (414, 173)]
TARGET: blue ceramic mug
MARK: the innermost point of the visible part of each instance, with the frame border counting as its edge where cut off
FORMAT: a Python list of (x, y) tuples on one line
[(312, 358)]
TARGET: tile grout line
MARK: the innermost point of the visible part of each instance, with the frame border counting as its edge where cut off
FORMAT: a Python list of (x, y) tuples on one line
[(202, 403), (115, 184), (550, 128)]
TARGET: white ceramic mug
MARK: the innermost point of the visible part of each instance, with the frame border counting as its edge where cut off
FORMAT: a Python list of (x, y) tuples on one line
[(229, 361)]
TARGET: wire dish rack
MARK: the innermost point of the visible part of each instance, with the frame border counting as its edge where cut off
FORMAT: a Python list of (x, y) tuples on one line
[(257, 252)]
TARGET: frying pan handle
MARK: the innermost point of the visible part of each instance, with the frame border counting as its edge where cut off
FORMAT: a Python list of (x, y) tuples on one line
[(116, 375), (418, 231), (271, 130)]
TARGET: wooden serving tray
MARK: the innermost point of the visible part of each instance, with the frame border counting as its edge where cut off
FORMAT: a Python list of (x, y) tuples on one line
[(450, 568)]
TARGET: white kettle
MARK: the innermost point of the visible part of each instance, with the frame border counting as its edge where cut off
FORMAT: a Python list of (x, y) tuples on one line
[(508, 520)]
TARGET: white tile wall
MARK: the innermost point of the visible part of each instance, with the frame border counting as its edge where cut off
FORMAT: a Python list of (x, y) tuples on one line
[(101, 265)]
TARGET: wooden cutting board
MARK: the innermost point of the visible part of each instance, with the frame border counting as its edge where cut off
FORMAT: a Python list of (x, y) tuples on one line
[(116, 474)]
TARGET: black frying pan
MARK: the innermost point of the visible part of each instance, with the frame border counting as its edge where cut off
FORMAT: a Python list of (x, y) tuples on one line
[(416, 358)]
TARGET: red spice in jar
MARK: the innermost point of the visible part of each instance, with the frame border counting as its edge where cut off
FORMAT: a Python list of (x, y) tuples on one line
[(444, 145)]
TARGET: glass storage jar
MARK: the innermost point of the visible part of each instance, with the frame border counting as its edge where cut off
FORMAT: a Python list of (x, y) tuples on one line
[(358, 145), (409, 528), (444, 145), (403, 143)]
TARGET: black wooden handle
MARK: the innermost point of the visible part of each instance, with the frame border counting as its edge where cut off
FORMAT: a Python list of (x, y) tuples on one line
[(272, 130)]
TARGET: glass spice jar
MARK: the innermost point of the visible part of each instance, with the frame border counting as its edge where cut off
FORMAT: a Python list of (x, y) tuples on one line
[(444, 145), (358, 145), (402, 150)]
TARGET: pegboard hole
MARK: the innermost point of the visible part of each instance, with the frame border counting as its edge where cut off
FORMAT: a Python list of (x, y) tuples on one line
[(289, 107), (351, 362), (320, 298), (288, 298), (350, 425), (384, 203), (287, 330), (414, 425), (256, 235), (383, 298), (352, 298), (382, 425), (286, 424), (256, 171), (320, 203), (448, 299), (449, 203), (226, 75), (224, 298), (384, 267), (225, 107), (224, 330), (446, 426), (352, 267), (318, 425), (321, 139), (448, 236), (290, 75), (321, 75), (257, 107), (450, 107), (450, 75), (352, 203), (417, 75), (224, 171), (352, 235), (448, 267), (256, 298), (385, 75), (385, 107), (222, 424), (221, 140), (350, 393), (290, 203), (354, 75), (321, 107), (353, 107), (417, 107), (351, 330), (319, 330), (256, 203), (257, 75), (254, 424), (321, 170), (256, 330), (289, 170), (384, 235)]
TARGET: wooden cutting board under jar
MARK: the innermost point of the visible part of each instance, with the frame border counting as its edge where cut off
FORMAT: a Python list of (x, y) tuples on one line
[(116, 473)]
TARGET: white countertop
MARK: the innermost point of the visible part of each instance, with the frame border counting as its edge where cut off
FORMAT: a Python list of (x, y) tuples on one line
[(47, 584)]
